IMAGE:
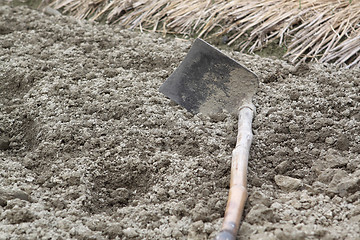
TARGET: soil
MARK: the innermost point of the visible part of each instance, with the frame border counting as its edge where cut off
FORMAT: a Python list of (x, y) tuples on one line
[(90, 149)]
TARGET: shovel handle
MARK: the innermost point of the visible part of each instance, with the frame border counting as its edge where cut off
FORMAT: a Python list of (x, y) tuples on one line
[(238, 193)]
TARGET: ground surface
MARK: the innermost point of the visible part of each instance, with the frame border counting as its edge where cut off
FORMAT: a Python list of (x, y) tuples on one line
[(91, 150)]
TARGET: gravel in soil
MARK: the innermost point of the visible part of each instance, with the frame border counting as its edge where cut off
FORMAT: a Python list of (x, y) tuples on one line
[(89, 149)]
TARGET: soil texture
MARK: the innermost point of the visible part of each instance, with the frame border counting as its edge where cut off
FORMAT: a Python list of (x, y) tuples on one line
[(90, 149)]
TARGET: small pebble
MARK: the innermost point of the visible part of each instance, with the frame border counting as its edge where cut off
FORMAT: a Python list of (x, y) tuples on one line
[(130, 232), (3, 202), (4, 143), (343, 143), (287, 183), (9, 194)]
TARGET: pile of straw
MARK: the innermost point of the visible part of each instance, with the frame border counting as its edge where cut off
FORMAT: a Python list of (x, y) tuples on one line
[(322, 30)]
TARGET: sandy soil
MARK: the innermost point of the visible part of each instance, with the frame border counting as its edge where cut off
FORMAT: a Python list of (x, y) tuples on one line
[(91, 150)]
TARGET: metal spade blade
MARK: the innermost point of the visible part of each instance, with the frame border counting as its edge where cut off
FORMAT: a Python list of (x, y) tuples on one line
[(208, 81)]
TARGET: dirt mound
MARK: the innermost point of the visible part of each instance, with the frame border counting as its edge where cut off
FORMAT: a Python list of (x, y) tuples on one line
[(91, 150)]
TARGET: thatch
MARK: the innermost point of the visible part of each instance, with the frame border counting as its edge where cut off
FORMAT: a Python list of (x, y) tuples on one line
[(322, 30)]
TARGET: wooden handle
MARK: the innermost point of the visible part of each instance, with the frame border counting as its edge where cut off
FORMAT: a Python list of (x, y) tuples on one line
[(238, 193)]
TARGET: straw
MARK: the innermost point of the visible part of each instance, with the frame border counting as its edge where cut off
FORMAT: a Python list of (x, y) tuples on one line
[(321, 30)]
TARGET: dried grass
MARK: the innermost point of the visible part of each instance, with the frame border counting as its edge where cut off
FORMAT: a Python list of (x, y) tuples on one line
[(321, 30)]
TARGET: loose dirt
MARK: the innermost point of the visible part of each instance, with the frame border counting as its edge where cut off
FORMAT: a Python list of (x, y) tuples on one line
[(89, 149)]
